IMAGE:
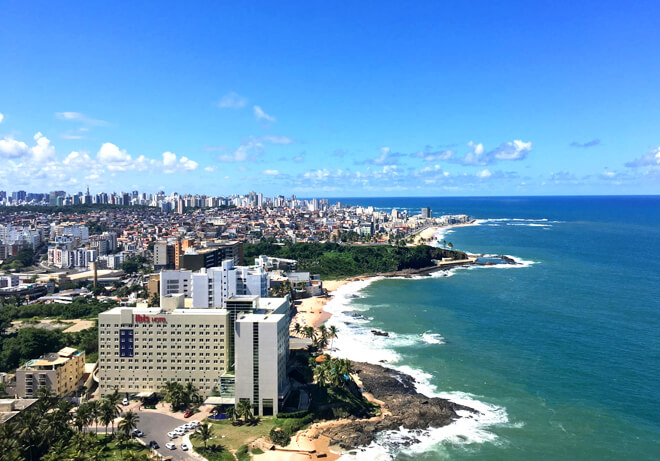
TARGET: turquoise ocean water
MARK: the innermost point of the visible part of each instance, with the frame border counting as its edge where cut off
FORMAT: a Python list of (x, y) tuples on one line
[(561, 355)]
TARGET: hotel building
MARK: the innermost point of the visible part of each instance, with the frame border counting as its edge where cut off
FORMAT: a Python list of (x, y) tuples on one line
[(236, 352)]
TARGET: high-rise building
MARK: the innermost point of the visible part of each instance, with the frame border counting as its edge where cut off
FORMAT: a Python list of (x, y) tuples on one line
[(164, 254), (426, 213), (240, 352), (211, 288)]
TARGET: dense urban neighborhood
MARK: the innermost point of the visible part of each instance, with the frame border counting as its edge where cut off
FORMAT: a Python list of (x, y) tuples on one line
[(142, 325)]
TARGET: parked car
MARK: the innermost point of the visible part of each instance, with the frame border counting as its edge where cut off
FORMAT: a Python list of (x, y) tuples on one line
[(153, 444), (184, 447), (138, 433), (188, 414), (171, 446), (172, 435), (124, 402)]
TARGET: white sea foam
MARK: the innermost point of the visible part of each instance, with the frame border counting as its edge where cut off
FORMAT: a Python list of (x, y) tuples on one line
[(495, 222), (433, 338), (356, 342)]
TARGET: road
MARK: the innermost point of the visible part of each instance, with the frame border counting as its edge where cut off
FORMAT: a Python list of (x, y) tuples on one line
[(155, 427)]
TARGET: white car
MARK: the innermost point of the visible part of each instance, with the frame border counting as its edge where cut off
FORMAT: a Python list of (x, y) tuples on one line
[(171, 446), (184, 447), (172, 435), (124, 402), (194, 423)]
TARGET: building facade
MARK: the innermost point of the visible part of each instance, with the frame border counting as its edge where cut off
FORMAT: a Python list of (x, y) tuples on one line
[(62, 372), (209, 288), (140, 349)]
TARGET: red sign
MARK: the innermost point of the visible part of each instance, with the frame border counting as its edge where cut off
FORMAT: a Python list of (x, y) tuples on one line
[(146, 318)]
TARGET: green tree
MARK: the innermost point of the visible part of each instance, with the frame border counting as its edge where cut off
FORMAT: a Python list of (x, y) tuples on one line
[(244, 410), (204, 433), (128, 423)]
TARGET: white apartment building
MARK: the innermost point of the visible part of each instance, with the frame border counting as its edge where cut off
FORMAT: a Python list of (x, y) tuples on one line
[(140, 349), (262, 349), (210, 288)]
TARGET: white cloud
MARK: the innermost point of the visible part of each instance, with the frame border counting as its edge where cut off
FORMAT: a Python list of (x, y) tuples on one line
[(650, 159), (169, 159), (261, 115), (10, 148), (484, 174), (514, 150), (386, 157), (78, 159), (210, 169), (171, 165), (232, 100), (2, 117), (283, 140), (271, 172), (187, 164), (79, 117), (114, 158), (43, 151)]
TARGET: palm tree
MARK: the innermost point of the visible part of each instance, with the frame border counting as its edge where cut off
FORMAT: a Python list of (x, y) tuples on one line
[(108, 413), (192, 394), (231, 413), (121, 439), (128, 423), (95, 410), (332, 332), (323, 339), (204, 433), (297, 329), (444, 243), (451, 245), (244, 409), (82, 417), (132, 456)]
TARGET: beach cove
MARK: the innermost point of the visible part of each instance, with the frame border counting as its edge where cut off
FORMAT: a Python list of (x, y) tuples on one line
[(552, 352)]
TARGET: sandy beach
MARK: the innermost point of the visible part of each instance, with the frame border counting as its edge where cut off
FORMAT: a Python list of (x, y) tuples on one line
[(310, 310), (428, 234)]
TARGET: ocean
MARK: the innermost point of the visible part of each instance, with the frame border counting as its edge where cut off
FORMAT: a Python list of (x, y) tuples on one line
[(560, 354)]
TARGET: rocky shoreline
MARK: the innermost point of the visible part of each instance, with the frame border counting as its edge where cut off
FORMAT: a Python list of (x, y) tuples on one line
[(403, 407)]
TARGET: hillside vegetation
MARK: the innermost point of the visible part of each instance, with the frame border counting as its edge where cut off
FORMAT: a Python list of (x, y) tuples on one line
[(332, 260)]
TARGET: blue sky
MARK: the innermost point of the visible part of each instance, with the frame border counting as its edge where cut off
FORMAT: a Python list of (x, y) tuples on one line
[(331, 98)]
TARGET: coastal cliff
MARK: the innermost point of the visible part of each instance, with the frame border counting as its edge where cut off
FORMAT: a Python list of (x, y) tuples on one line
[(401, 406)]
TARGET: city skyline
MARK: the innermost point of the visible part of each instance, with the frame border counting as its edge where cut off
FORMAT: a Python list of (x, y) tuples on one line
[(342, 101)]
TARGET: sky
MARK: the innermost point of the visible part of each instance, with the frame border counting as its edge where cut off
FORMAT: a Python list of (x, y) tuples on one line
[(331, 99)]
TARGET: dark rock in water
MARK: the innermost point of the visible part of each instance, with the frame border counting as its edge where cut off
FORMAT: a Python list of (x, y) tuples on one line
[(407, 407), (355, 315), (507, 259), (380, 333)]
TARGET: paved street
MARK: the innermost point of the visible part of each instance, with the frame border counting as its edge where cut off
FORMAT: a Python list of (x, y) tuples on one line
[(155, 427)]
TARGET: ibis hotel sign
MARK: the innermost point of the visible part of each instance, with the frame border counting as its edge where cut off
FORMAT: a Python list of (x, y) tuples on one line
[(141, 318)]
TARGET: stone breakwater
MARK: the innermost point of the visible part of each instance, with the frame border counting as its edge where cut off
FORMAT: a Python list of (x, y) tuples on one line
[(403, 407)]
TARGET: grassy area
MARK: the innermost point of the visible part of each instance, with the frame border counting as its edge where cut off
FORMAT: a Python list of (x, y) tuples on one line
[(214, 450), (237, 436), (113, 453)]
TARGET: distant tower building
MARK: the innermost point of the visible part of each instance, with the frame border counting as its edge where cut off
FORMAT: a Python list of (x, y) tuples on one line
[(426, 212)]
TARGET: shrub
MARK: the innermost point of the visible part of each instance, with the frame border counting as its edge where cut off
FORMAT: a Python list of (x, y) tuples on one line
[(293, 414), (280, 436)]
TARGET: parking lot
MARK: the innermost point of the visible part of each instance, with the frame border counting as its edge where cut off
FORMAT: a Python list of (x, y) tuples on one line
[(156, 426)]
